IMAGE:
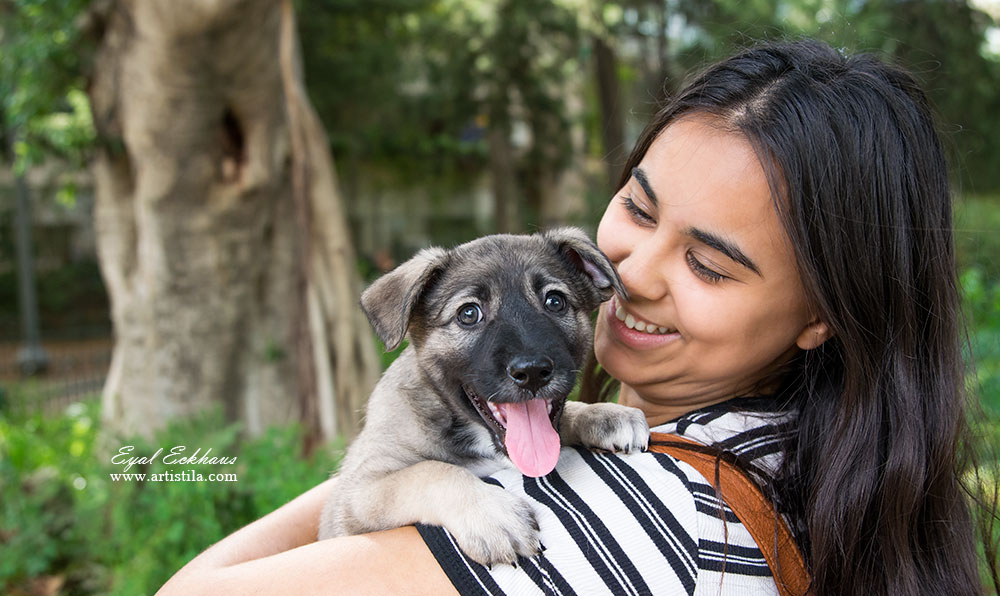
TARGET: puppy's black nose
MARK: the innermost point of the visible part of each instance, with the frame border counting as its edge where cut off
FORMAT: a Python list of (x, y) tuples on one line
[(530, 372)]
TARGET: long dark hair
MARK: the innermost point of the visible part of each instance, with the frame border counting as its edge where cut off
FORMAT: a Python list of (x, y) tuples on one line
[(860, 183)]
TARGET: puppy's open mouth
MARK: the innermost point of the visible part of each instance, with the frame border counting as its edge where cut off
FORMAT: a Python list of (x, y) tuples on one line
[(525, 430)]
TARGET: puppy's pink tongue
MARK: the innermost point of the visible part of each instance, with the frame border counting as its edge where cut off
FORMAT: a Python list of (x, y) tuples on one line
[(532, 444)]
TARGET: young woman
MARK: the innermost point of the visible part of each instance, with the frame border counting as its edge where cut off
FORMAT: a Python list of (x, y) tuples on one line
[(783, 228)]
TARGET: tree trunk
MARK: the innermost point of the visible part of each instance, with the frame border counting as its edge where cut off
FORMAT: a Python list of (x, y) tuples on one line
[(612, 124), (502, 178), (220, 230), (665, 83)]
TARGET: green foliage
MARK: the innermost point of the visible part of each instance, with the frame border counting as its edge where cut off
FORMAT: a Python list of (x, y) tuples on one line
[(943, 43), (388, 358), (61, 514), (982, 300), (977, 223), (977, 220), (37, 519), (978, 246), (355, 63), (408, 89), (42, 107), (68, 132)]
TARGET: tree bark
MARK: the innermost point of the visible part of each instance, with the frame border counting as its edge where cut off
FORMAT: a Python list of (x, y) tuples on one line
[(220, 230), (502, 178), (665, 82), (612, 124)]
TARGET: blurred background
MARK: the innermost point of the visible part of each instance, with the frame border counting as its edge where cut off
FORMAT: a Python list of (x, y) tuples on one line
[(192, 195)]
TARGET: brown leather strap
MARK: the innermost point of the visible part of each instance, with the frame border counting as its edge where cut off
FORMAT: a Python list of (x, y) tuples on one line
[(755, 511)]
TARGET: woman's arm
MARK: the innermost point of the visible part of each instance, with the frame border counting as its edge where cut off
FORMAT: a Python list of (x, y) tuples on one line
[(278, 554)]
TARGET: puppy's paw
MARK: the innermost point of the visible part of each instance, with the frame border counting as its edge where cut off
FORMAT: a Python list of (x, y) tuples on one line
[(613, 428), (497, 528)]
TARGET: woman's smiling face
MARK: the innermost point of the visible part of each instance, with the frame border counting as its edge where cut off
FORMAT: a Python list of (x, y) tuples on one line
[(716, 303)]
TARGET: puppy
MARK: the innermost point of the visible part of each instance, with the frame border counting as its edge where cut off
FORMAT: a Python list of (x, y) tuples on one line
[(498, 328)]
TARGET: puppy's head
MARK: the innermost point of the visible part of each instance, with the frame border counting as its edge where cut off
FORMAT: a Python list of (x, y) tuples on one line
[(501, 326)]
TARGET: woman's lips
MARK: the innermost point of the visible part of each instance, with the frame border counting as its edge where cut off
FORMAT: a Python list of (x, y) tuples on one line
[(640, 340)]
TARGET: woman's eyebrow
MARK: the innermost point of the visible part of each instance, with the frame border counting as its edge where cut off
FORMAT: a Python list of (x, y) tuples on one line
[(640, 177), (725, 247), (707, 238)]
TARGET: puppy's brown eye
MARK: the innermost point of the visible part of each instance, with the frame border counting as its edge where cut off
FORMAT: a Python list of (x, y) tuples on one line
[(555, 302), (470, 314)]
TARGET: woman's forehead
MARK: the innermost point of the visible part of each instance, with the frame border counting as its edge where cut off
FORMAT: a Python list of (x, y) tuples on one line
[(694, 164), (701, 141)]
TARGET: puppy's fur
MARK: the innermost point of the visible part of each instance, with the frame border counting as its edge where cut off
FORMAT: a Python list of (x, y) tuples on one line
[(502, 319)]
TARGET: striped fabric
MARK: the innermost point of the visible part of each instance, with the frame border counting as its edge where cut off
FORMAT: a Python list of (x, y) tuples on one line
[(643, 523)]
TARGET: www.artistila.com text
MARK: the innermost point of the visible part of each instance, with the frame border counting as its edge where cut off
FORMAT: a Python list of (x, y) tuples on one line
[(179, 456), (185, 476)]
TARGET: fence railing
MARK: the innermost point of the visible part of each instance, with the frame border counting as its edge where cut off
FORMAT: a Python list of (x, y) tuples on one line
[(77, 367)]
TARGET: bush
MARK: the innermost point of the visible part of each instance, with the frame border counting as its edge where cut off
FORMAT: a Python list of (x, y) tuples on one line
[(63, 518), (978, 252), (982, 304), (977, 220)]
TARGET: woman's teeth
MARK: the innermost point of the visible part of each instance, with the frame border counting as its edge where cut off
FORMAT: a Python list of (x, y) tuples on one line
[(633, 323)]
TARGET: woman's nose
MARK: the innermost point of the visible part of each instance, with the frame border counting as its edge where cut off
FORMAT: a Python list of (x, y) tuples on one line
[(641, 270)]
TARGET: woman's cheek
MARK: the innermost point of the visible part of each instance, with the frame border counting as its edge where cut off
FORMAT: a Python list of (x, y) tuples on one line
[(703, 316)]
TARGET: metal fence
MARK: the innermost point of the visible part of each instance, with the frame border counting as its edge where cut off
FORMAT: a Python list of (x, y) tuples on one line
[(78, 361)]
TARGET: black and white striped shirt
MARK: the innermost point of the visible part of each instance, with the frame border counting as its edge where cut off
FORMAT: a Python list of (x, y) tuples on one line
[(643, 523)]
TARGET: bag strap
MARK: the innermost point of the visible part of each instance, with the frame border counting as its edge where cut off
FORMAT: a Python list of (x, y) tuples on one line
[(754, 510)]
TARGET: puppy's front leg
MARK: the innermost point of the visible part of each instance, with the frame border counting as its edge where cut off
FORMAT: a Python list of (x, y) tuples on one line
[(604, 426), (489, 524)]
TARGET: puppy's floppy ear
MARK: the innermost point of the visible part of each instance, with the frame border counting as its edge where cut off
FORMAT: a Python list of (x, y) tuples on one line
[(577, 247), (388, 303)]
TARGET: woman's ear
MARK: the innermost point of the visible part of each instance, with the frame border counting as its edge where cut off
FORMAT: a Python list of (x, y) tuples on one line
[(814, 334)]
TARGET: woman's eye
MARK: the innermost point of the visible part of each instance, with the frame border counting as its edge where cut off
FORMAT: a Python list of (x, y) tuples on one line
[(699, 269), (470, 314), (636, 211), (555, 302)]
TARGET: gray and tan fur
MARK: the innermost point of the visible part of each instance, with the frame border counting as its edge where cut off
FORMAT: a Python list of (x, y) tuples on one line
[(425, 444)]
